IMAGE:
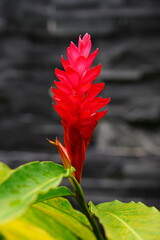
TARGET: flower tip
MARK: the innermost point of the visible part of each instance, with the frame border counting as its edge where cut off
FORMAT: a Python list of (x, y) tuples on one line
[(55, 70), (84, 40), (87, 36), (54, 143)]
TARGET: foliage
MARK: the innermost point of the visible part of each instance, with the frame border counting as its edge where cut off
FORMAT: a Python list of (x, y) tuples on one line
[(4, 171), (54, 219), (27, 184), (128, 220), (31, 198)]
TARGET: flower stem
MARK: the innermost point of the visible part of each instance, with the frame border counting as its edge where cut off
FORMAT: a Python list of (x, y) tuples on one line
[(82, 203)]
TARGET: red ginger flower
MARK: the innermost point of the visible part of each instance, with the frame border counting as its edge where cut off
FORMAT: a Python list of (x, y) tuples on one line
[(76, 102)]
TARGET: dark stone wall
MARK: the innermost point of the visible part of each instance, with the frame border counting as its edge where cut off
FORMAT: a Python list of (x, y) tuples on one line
[(125, 151)]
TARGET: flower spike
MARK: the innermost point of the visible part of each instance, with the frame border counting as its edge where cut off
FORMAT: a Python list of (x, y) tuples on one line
[(75, 100)]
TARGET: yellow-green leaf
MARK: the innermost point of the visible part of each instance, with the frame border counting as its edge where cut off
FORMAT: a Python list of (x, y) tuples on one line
[(54, 219), (35, 225), (4, 171), (26, 184), (62, 212), (21, 229), (128, 221)]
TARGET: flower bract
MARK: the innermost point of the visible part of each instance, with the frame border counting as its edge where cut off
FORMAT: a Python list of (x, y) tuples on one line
[(76, 101)]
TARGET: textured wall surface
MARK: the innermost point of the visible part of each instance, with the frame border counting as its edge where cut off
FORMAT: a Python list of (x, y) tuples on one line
[(123, 160)]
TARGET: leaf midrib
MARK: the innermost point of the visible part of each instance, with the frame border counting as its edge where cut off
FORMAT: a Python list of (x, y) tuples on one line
[(35, 194), (36, 191), (127, 225), (38, 188)]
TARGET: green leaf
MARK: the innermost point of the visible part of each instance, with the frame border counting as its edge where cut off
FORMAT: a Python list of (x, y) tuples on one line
[(128, 221), (4, 171), (49, 222), (35, 225), (24, 185), (62, 212), (63, 205), (21, 228), (56, 192)]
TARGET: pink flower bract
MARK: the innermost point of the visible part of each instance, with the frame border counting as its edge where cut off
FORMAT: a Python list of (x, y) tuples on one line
[(75, 100)]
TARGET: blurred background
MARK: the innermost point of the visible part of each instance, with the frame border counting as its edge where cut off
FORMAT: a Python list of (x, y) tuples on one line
[(123, 160)]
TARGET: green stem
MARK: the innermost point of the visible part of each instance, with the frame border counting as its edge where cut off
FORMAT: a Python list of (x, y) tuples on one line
[(82, 203)]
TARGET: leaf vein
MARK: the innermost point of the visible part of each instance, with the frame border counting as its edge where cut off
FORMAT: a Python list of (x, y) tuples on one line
[(127, 225)]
